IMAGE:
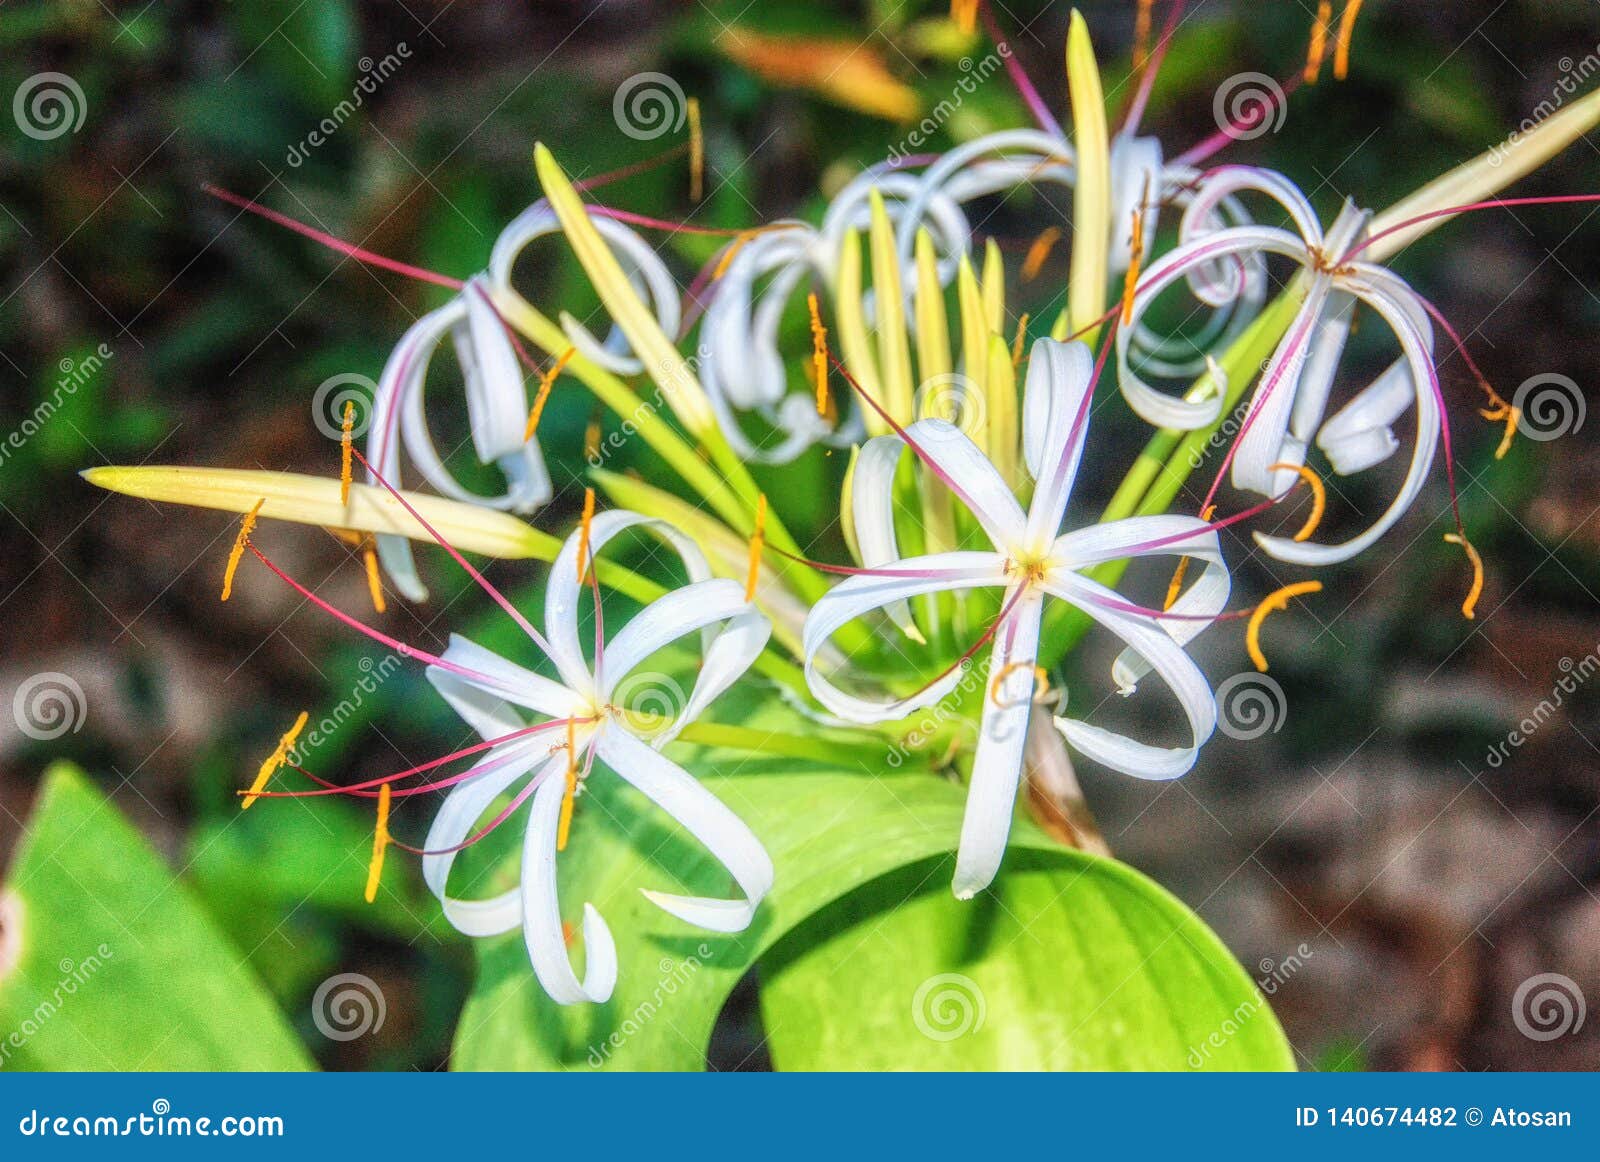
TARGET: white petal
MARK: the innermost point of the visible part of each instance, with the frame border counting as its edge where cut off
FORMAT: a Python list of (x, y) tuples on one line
[(1217, 266), (401, 375), (1002, 735), (1055, 423), (971, 477), (497, 403), (705, 817), (1136, 184), (485, 700), (1155, 536), (1226, 181), (541, 906), (1261, 442), (459, 814), (859, 595), (1391, 298), (646, 273), (1161, 655), (729, 653), (564, 594)]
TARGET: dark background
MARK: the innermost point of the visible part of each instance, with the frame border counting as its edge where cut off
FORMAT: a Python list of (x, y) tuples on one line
[(1427, 883)]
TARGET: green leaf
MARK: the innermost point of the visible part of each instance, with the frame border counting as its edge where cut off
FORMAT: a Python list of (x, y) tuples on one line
[(829, 833), (1072, 962), (117, 967)]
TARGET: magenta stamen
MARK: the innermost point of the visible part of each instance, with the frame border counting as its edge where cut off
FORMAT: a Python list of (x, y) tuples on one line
[(349, 250), (395, 644), (1450, 212), (1019, 77), (365, 789), (1230, 133), (483, 582), (1152, 66)]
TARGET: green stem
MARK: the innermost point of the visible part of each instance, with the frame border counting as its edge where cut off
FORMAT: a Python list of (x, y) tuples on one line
[(866, 754)]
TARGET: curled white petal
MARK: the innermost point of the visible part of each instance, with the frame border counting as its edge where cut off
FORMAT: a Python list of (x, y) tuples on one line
[(709, 820), (1161, 655), (541, 907)]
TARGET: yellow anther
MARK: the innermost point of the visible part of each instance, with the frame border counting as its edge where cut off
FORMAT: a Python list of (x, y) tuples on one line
[(1130, 282), (369, 557), (965, 15), (1039, 252), (546, 382), (1469, 607), (347, 428), (1175, 586), (380, 841), (1141, 34), (583, 536), (819, 355), (276, 759), (697, 152), (564, 825), (236, 554), (1039, 692), (1500, 411), (591, 439), (1319, 497), (1341, 51), (1022, 337), (1319, 41), (731, 252), (1271, 603), (757, 540)]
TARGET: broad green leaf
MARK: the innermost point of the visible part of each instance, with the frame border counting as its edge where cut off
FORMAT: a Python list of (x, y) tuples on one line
[(117, 967), (829, 833), (1072, 962)]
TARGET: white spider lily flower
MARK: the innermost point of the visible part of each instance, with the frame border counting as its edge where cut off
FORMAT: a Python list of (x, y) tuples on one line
[(1031, 561), (1288, 407), (493, 695), (497, 412)]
